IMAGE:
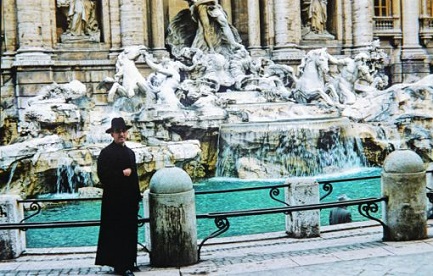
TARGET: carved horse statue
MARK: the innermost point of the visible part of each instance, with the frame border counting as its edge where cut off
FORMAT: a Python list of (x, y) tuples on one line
[(311, 84), (128, 80)]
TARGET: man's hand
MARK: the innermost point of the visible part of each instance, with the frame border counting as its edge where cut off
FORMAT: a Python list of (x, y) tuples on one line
[(127, 172)]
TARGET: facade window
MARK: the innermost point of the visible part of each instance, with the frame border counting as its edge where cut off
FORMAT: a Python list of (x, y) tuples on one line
[(383, 17), (383, 8)]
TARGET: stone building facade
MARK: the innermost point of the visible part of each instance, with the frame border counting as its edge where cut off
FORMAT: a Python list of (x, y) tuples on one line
[(42, 41)]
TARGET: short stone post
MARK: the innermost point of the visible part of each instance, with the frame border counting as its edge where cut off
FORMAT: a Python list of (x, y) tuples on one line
[(403, 182), (12, 242), (305, 224), (173, 227)]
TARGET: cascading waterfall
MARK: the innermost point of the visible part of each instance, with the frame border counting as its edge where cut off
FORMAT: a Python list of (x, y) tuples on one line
[(288, 148), (70, 178), (65, 182)]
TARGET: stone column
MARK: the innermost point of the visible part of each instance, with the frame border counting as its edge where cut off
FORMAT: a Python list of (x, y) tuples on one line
[(403, 183), (347, 27), (9, 25), (157, 19), (29, 25), (12, 242), (173, 227), (414, 58), (305, 224), (287, 22), (131, 24), (268, 31), (254, 25), (410, 23), (287, 27), (362, 18), (31, 33)]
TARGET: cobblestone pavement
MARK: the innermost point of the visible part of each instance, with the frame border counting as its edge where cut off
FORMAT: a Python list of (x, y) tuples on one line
[(351, 249)]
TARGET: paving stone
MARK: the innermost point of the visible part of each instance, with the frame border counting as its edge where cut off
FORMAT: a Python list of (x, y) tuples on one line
[(340, 252)]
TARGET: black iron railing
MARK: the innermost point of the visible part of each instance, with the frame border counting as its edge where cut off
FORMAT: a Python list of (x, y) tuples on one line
[(366, 206)]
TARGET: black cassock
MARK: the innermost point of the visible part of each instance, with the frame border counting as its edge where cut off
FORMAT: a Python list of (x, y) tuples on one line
[(117, 243)]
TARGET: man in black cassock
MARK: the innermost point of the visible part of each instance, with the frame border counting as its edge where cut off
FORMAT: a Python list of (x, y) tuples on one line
[(117, 171)]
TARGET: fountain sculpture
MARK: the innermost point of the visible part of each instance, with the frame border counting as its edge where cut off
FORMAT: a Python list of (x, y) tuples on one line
[(212, 104)]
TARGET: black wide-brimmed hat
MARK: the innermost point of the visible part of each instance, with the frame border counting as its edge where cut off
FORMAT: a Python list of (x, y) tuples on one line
[(117, 123)]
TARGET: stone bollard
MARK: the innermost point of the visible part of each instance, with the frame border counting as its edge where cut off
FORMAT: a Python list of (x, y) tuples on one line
[(12, 242), (403, 182), (173, 227), (305, 224)]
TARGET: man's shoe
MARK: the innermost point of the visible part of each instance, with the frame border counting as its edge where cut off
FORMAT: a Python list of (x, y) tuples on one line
[(128, 273)]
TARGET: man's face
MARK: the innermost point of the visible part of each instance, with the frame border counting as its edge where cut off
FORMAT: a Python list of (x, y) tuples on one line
[(119, 136)]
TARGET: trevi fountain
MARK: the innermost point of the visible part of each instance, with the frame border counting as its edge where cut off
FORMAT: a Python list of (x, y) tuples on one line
[(213, 109)]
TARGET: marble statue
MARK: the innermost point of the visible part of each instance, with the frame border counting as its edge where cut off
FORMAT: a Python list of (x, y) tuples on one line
[(317, 14), (213, 26), (170, 80), (128, 81), (314, 17), (82, 21), (204, 26), (311, 84)]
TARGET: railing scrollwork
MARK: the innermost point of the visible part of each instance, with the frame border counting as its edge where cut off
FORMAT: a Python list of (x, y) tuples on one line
[(34, 206), (223, 224), (328, 188), (273, 193), (371, 207)]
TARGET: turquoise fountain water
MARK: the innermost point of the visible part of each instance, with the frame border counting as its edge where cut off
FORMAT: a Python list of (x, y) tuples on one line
[(87, 236)]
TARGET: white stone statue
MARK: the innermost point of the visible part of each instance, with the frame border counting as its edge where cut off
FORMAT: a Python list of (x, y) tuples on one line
[(82, 21), (317, 15), (311, 84), (128, 80), (213, 26), (204, 26), (314, 18), (170, 80)]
